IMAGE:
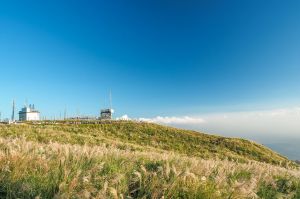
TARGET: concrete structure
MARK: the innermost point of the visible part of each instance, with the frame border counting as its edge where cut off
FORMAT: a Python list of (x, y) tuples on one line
[(29, 114), (106, 114)]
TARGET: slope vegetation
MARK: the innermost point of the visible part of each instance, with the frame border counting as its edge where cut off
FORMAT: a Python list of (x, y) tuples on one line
[(145, 135), (137, 160)]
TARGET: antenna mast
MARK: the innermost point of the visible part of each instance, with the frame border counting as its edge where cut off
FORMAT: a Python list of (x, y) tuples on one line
[(13, 111), (65, 113), (110, 100)]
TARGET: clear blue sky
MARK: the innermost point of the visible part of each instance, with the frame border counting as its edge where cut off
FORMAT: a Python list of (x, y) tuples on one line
[(158, 57)]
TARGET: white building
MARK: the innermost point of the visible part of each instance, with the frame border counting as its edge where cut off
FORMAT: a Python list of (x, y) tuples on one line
[(29, 114)]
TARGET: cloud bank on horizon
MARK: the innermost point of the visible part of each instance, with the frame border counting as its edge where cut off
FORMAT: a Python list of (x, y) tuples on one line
[(279, 122), (174, 120), (168, 120)]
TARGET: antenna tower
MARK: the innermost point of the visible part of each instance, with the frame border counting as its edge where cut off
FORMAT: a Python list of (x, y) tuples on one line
[(13, 111), (65, 113), (110, 100)]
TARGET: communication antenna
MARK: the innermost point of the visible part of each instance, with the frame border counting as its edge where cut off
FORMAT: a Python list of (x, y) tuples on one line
[(65, 113), (78, 113), (110, 100), (0, 116), (13, 111)]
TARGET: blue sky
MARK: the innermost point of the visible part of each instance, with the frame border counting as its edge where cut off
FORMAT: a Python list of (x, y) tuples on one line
[(167, 58)]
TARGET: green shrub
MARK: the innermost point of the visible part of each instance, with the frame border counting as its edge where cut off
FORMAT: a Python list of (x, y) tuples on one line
[(267, 191)]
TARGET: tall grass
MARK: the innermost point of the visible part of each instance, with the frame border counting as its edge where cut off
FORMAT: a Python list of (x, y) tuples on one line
[(29, 169), (145, 136)]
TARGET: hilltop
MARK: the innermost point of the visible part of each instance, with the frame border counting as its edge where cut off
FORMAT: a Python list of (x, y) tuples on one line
[(141, 135), (137, 160)]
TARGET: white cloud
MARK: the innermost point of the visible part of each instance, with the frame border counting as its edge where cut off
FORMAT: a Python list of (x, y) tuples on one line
[(267, 123), (281, 122), (280, 128), (124, 117), (174, 120), (167, 120)]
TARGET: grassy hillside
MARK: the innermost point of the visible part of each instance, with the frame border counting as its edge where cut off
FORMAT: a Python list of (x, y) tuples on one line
[(140, 135), (137, 160)]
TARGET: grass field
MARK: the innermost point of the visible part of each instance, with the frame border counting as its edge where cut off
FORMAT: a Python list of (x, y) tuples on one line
[(137, 160)]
